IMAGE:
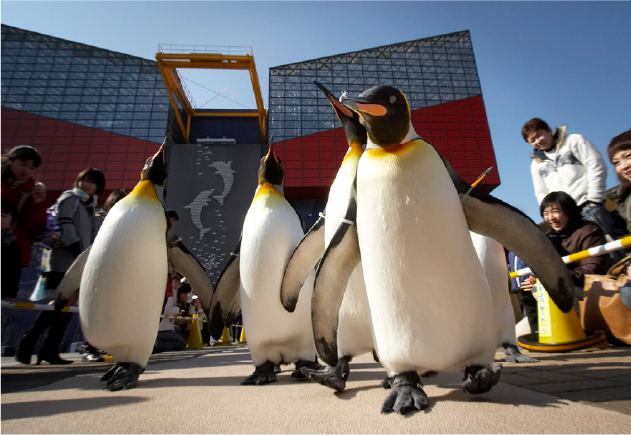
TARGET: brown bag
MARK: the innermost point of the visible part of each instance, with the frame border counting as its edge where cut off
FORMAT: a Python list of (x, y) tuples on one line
[(601, 307)]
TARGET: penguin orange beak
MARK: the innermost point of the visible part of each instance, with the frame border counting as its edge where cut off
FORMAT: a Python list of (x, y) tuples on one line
[(364, 107), (339, 107), (271, 153)]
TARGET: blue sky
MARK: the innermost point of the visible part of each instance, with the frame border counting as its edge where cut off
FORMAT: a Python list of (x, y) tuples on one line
[(568, 63)]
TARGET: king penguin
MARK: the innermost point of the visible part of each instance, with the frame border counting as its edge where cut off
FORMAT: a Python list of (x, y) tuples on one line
[(354, 335), (410, 228), (123, 275), (271, 232)]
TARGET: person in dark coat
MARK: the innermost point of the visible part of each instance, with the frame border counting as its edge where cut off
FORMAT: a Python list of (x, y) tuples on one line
[(570, 234), (11, 262), (26, 194)]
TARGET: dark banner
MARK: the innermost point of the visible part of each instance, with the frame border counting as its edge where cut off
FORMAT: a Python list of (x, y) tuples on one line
[(211, 188)]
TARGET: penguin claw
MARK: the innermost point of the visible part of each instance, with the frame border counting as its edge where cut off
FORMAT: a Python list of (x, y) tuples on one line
[(407, 394), (263, 374), (332, 377), (122, 376), (480, 379), (386, 384), (514, 355), (305, 365)]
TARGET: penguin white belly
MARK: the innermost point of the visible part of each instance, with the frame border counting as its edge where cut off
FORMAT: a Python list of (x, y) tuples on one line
[(431, 305), (271, 232), (493, 260), (354, 333), (123, 284)]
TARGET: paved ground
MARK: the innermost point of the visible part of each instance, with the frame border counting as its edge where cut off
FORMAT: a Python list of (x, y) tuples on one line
[(199, 392)]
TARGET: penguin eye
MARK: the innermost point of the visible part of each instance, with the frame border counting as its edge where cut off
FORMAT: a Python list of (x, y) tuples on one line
[(393, 98)]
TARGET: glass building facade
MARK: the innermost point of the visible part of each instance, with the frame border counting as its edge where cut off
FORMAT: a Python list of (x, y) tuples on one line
[(439, 77), (81, 106)]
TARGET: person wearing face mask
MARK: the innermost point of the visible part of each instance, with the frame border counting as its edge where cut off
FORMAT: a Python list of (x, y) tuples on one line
[(78, 225), (619, 152), (569, 163)]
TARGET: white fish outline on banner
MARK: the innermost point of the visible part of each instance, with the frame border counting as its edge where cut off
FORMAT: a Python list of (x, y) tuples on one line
[(227, 174), (202, 200)]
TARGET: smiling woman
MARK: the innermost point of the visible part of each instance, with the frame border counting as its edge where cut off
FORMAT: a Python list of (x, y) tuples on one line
[(570, 233)]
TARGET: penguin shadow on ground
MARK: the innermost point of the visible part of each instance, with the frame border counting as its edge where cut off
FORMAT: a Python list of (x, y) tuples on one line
[(500, 394), (46, 408)]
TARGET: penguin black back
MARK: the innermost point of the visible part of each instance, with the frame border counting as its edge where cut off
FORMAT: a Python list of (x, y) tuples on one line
[(270, 169), (385, 113)]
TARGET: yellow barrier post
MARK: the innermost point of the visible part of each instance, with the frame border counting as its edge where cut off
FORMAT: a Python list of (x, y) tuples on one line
[(242, 339), (558, 331), (225, 338), (195, 335)]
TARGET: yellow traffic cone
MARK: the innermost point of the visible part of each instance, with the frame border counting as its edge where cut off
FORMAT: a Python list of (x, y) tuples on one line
[(242, 339), (225, 338), (558, 331), (195, 336)]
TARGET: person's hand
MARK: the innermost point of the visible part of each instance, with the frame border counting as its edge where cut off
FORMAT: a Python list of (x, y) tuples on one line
[(39, 192), (528, 284)]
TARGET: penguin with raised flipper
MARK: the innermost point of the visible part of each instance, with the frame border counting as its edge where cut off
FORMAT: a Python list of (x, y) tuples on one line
[(124, 269), (410, 229), (355, 329), (271, 231)]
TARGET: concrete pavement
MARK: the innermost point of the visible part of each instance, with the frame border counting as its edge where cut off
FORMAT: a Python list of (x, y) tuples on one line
[(199, 392)]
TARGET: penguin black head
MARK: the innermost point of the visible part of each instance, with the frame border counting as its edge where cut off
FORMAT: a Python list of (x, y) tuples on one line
[(385, 113), (155, 169), (270, 170), (355, 131)]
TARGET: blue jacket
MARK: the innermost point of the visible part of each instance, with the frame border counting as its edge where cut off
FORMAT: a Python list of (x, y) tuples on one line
[(516, 263)]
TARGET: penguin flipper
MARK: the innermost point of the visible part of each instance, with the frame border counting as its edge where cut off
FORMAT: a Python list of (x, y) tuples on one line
[(491, 217), (303, 260), (71, 280), (338, 263), (233, 311), (225, 295), (188, 265)]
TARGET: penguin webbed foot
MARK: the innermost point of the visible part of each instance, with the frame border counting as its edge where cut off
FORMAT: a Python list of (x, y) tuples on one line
[(305, 365), (122, 376), (333, 377), (263, 374), (407, 394), (479, 379), (514, 355)]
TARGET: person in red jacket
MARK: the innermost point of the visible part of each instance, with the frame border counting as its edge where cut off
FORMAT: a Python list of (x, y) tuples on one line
[(26, 194)]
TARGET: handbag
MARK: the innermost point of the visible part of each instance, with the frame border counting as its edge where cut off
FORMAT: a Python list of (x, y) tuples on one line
[(601, 307)]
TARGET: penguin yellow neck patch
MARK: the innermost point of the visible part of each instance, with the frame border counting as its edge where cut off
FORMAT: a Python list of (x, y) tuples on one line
[(144, 190), (397, 149), (266, 190), (355, 151)]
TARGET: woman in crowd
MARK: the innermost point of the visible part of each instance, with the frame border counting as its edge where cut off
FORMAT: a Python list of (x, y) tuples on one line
[(78, 224), (619, 152), (570, 233), (27, 197)]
